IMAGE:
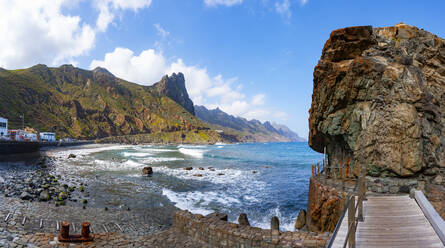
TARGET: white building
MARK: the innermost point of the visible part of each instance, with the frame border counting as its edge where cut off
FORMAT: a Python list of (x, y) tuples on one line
[(46, 136), (3, 127)]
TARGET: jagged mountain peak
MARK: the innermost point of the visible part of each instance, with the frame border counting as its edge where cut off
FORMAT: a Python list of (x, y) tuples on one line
[(174, 87)]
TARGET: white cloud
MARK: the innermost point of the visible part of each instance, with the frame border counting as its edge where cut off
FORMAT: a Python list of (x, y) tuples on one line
[(258, 100), (38, 32), (214, 3), (161, 31), (107, 9), (145, 68), (212, 91), (283, 8)]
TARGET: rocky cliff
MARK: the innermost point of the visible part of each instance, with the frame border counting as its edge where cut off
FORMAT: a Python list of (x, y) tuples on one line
[(174, 87), (94, 104), (379, 101), (245, 130)]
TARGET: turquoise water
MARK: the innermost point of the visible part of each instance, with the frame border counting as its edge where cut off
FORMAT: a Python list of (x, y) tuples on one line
[(261, 179)]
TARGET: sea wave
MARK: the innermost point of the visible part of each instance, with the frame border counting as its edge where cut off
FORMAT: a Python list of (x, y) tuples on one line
[(198, 202), (197, 153), (286, 222), (137, 154), (87, 150), (217, 176)]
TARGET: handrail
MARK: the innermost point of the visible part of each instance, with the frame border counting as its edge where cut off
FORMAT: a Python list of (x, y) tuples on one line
[(360, 191), (431, 214)]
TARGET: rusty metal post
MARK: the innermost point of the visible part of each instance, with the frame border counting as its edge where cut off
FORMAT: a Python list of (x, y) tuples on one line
[(312, 170), (85, 229), (351, 221), (342, 178), (65, 230)]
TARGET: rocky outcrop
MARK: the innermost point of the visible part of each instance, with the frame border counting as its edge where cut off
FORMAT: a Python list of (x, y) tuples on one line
[(379, 101), (174, 87), (324, 208)]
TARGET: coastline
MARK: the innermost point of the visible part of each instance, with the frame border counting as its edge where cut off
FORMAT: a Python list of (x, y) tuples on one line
[(20, 185)]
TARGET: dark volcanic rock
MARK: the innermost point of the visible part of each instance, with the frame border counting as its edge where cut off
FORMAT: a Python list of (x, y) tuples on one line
[(379, 101), (242, 220), (147, 171)]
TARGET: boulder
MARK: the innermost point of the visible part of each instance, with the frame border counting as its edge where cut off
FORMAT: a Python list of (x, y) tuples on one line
[(147, 171), (44, 196), (275, 225), (71, 156), (242, 220), (25, 196), (188, 168), (378, 102), (301, 220)]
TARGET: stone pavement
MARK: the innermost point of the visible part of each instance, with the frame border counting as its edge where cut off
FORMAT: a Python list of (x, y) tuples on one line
[(36, 224)]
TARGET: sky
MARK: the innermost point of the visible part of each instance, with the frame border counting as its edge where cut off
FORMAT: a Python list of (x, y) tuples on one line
[(250, 58)]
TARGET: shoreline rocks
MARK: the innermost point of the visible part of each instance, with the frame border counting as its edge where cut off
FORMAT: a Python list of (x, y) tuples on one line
[(147, 171)]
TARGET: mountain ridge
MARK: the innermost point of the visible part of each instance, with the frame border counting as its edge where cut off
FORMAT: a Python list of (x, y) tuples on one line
[(250, 131)]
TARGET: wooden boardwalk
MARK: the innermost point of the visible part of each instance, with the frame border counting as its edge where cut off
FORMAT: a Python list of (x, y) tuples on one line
[(391, 221)]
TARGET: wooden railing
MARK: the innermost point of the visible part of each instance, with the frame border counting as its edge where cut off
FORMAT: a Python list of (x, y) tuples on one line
[(355, 212)]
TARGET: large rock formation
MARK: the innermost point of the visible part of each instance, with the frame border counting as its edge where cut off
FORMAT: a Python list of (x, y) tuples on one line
[(379, 101), (174, 87)]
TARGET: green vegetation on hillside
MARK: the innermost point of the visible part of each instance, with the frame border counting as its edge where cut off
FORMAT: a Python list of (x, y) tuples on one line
[(92, 104)]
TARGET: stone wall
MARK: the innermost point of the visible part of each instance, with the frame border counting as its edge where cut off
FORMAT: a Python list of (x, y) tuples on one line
[(217, 232), (391, 185)]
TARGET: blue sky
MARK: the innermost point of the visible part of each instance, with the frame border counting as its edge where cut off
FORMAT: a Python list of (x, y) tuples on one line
[(252, 58)]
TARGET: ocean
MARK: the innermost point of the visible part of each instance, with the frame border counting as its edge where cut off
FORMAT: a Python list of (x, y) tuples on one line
[(259, 179)]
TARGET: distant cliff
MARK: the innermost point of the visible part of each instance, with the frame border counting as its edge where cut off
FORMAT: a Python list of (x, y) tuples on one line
[(246, 131), (174, 87), (379, 99), (95, 104)]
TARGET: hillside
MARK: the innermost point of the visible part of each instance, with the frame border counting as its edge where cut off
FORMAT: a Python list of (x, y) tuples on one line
[(247, 131), (95, 104)]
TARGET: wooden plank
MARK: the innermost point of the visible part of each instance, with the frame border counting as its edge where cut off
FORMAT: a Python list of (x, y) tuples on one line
[(431, 214)]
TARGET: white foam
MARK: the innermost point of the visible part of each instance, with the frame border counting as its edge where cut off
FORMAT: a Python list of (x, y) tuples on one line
[(286, 223), (153, 150), (137, 154), (218, 176), (197, 153), (115, 166), (198, 202), (87, 150), (192, 146), (159, 159)]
